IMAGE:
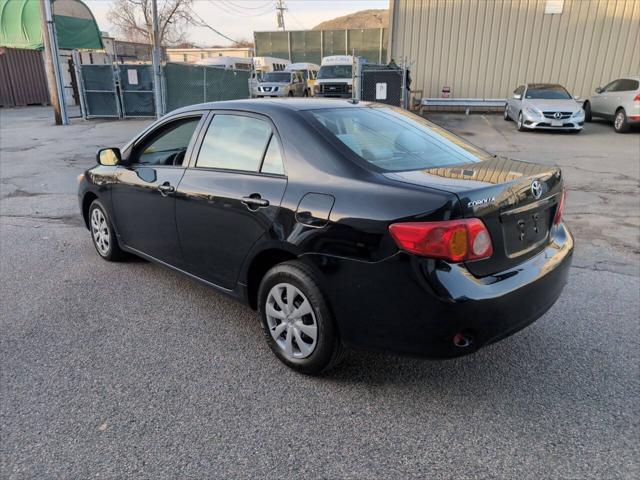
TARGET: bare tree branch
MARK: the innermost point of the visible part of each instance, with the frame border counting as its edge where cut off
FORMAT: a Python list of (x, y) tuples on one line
[(132, 19)]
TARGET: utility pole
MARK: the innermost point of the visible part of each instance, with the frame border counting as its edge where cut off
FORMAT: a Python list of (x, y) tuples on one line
[(155, 57), (280, 13), (52, 64)]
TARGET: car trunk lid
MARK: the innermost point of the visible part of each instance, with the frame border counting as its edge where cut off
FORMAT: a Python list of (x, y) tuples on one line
[(515, 200)]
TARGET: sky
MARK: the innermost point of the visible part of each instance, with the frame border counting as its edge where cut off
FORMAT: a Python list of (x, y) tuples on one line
[(238, 19)]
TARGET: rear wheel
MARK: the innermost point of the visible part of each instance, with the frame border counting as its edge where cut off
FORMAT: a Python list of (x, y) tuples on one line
[(306, 93), (506, 114), (520, 123), (102, 233), (587, 112), (620, 123), (296, 319), (290, 93)]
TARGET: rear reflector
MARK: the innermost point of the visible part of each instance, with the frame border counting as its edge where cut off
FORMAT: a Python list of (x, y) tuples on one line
[(452, 240), (560, 209)]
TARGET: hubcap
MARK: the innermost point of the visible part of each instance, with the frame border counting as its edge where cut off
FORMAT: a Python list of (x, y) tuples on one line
[(100, 231), (291, 321), (619, 120)]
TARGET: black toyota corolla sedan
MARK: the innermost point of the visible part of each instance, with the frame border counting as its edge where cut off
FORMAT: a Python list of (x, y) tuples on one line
[(346, 225)]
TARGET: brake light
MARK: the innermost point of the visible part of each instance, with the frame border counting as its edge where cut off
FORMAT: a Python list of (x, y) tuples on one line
[(637, 98), (453, 240), (560, 209)]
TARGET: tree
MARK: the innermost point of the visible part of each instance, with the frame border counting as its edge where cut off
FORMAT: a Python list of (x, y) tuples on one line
[(243, 42), (132, 19)]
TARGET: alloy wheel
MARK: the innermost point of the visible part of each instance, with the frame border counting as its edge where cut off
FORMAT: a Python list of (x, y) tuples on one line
[(291, 320), (619, 121), (100, 231)]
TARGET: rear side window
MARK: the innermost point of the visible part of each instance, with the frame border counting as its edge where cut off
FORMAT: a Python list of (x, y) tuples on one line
[(238, 142), (394, 140)]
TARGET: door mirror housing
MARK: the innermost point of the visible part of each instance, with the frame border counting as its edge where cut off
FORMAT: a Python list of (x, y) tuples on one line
[(517, 96), (599, 90), (109, 156)]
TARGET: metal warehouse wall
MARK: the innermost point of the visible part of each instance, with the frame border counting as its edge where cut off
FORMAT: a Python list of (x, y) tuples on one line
[(485, 48), (22, 78)]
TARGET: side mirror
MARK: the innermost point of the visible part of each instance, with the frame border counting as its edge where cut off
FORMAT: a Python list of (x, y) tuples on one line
[(517, 96), (109, 156), (599, 90), (576, 97)]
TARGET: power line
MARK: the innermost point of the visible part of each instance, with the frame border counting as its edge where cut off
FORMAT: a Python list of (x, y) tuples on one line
[(202, 23), (227, 8), (243, 7)]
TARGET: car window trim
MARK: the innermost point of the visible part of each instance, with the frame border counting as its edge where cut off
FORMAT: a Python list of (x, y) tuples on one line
[(205, 127), (132, 146)]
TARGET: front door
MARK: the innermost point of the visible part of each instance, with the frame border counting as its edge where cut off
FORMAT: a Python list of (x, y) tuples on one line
[(229, 195), (600, 102), (143, 195)]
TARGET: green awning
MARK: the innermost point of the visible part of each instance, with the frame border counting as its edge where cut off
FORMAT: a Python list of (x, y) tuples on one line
[(20, 25)]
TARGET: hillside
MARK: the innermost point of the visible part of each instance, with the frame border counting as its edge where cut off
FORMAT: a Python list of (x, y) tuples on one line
[(361, 19)]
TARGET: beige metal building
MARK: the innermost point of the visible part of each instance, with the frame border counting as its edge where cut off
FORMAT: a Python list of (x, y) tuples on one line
[(486, 48)]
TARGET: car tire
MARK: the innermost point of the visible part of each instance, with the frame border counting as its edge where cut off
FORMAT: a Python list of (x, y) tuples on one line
[(290, 93), (587, 112), (620, 122), (505, 115), (306, 93), (103, 235), (291, 337), (520, 123)]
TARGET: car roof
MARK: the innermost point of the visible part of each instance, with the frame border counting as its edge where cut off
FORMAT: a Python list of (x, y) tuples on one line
[(268, 105), (543, 85)]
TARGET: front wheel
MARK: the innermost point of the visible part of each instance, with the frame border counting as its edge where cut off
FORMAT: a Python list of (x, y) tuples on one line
[(520, 123), (620, 122), (506, 114), (587, 112), (296, 320), (102, 233)]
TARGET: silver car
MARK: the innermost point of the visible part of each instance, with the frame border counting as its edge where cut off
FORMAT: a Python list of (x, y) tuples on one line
[(618, 101), (544, 106), (281, 84)]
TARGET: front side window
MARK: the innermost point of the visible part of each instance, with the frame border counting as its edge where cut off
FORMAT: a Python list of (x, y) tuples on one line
[(547, 92), (234, 142), (169, 146), (519, 90), (391, 139), (611, 87)]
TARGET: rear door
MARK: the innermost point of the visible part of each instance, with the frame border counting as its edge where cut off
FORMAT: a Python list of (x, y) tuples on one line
[(229, 195), (143, 194)]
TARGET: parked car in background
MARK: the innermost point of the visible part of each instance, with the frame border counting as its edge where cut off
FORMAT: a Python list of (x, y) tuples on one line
[(544, 106), (309, 73), (344, 224), (618, 101), (335, 78), (281, 84)]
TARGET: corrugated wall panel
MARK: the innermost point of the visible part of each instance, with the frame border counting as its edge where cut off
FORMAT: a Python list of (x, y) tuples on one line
[(485, 48), (23, 77)]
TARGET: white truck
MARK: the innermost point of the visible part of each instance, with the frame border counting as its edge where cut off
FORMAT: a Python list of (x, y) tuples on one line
[(336, 75)]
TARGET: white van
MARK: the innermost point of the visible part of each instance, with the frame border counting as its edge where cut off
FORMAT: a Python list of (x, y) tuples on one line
[(309, 72), (228, 63), (335, 77)]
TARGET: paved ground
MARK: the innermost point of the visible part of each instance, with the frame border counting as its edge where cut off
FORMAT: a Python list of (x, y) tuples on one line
[(129, 370)]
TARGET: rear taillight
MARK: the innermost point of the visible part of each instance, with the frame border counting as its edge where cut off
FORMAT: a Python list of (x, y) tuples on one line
[(560, 209), (452, 240), (637, 98)]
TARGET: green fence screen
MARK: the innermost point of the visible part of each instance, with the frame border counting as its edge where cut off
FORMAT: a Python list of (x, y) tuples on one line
[(312, 45), (190, 84)]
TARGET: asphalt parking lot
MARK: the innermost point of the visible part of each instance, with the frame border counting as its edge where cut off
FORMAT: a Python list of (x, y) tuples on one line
[(129, 370)]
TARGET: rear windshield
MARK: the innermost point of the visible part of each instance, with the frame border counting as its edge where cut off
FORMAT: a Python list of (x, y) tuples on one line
[(283, 77), (392, 139), (548, 92), (335, 71)]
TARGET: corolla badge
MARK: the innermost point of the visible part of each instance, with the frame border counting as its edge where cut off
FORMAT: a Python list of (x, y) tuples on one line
[(536, 189), (481, 201)]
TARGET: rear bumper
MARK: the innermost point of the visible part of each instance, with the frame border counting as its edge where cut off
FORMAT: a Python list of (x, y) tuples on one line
[(416, 306)]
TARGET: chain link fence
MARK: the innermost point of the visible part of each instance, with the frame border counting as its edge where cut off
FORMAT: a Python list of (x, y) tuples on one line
[(186, 84), (99, 92), (136, 90), (383, 85)]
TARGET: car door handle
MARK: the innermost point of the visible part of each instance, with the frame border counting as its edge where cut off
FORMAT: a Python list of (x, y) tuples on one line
[(166, 188), (255, 200)]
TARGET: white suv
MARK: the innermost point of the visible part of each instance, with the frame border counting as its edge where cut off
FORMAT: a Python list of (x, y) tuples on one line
[(618, 101)]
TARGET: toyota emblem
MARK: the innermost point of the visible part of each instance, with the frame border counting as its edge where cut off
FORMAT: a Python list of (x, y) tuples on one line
[(557, 115), (536, 189)]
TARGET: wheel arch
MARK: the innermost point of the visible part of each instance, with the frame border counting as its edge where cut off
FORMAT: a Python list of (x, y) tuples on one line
[(259, 265), (87, 200)]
